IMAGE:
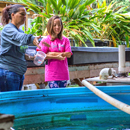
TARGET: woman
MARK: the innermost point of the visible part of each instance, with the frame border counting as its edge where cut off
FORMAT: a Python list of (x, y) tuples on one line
[(13, 44), (56, 71)]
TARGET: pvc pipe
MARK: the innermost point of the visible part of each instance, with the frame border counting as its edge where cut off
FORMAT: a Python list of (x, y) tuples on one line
[(121, 59), (118, 104)]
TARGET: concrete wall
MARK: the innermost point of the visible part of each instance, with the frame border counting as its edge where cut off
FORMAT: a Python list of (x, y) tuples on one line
[(36, 74)]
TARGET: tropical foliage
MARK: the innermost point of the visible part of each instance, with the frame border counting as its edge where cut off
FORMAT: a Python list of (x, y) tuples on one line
[(82, 21), (114, 22), (75, 16), (20, 1)]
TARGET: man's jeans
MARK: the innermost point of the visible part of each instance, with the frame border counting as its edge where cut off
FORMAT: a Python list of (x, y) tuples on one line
[(10, 81)]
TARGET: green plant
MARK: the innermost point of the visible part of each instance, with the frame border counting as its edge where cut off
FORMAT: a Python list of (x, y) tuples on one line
[(77, 20), (1, 26), (114, 23)]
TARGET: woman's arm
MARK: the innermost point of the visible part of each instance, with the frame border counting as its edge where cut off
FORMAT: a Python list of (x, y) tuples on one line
[(58, 56), (18, 38), (64, 54), (48, 56)]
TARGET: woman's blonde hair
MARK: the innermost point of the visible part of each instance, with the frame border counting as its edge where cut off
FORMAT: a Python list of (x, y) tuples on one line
[(50, 28)]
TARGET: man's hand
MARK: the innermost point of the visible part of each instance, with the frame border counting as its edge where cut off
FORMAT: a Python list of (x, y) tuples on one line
[(36, 42)]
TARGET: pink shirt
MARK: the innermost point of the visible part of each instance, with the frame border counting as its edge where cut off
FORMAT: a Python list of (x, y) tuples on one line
[(56, 70)]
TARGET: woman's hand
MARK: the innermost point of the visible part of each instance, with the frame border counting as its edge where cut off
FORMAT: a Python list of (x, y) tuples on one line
[(60, 57), (28, 57), (36, 42), (66, 54)]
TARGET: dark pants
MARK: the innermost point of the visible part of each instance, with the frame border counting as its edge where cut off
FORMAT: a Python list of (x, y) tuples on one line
[(10, 81)]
